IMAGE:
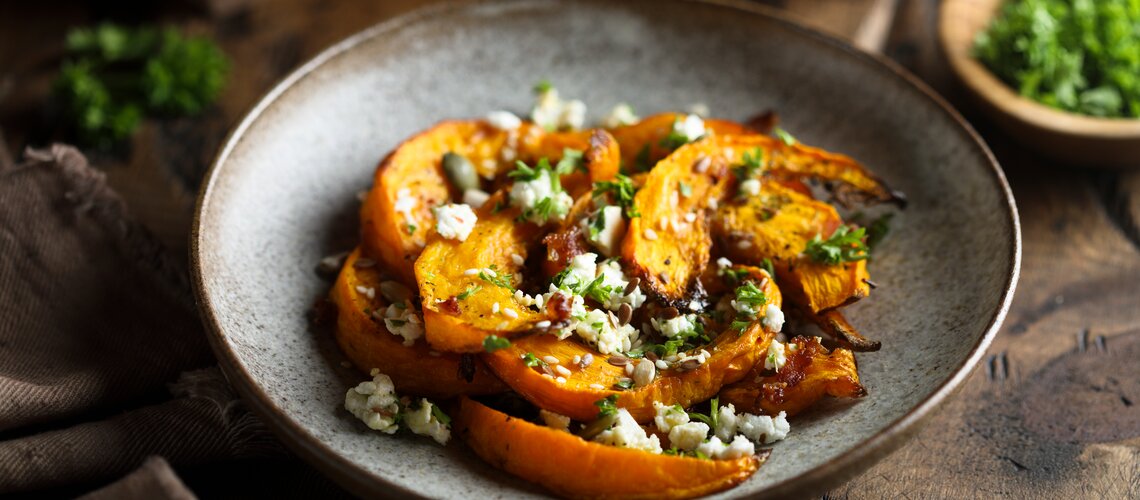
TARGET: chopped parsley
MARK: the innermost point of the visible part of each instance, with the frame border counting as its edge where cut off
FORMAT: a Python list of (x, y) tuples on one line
[(733, 276), (878, 230), (438, 413), (468, 293), (844, 245), (593, 289), (709, 419), (685, 189), (543, 86), (620, 191), (410, 228), (624, 384), (492, 343), (767, 266), (750, 163), (527, 173), (495, 278), (531, 360), (607, 407), (748, 294), (784, 136), (641, 161), (571, 161)]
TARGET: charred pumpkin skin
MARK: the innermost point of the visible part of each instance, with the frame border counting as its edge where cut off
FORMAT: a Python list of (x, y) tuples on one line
[(634, 139), (733, 355), (665, 250), (368, 344), (810, 374), (454, 325), (572, 467)]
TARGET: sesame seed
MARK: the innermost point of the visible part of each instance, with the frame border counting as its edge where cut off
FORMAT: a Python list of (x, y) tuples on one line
[(547, 375), (368, 291), (560, 380), (517, 259), (550, 360), (702, 164), (744, 244), (510, 313), (562, 370), (489, 164), (576, 359), (502, 326), (542, 324), (690, 217), (495, 308), (471, 272), (650, 234), (490, 272), (713, 204), (538, 301), (597, 387)]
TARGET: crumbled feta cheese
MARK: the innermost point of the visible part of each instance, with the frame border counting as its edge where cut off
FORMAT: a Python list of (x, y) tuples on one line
[(773, 318), (762, 428), (554, 420), (669, 416), (613, 227), (615, 278), (423, 421), (626, 433), (454, 222), (622, 114), (775, 358), (715, 449), (750, 187), (475, 197), (504, 120), (401, 320), (675, 327), (552, 113), (526, 195), (722, 264), (601, 329), (691, 127), (725, 422), (375, 403), (688, 436), (405, 203)]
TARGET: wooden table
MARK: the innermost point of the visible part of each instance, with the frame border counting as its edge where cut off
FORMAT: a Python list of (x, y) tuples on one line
[(1053, 412)]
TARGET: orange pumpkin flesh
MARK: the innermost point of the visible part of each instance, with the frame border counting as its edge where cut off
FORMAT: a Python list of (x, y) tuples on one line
[(368, 344), (810, 374), (733, 354), (575, 468), (645, 137)]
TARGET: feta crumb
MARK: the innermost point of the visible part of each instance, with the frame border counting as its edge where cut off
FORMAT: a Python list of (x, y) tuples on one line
[(750, 187), (375, 403), (552, 113), (504, 120), (715, 449), (773, 318), (688, 436), (614, 278), (775, 358), (725, 422), (626, 433), (675, 327), (601, 330), (762, 428), (526, 195), (622, 114), (404, 205), (613, 227), (554, 420), (475, 197), (669, 416), (692, 127), (454, 222), (401, 320), (423, 421), (722, 264)]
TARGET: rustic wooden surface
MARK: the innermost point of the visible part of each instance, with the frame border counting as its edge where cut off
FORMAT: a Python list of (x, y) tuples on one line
[(1053, 412)]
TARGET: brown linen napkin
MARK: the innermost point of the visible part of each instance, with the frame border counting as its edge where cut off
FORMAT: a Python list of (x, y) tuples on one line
[(95, 322)]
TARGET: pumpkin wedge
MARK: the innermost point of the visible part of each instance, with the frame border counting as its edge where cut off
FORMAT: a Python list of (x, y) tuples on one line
[(809, 374), (368, 343), (600, 157), (468, 287), (733, 353), (572, 467), (668, 246), (644, 143)]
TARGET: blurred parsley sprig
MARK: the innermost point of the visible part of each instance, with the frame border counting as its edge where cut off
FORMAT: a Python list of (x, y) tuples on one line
[(112, 76), (1076, 55)]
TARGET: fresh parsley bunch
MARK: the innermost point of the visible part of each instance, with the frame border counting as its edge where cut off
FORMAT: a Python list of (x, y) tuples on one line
[(113, 76), (1081, 56)]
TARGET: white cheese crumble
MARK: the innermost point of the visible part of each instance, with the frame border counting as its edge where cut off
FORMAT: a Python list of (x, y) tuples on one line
[(615, 278), (669, 416), (504, 120), (626, 433), (756, 428), (750, 187), (526, 195), (715, 449), (600, 329), (475, 197), (620, 115), (552, 113), (554, 420), (423, 421), (375, 403), (454, 222), (775, 358), (609, 236), (722, 264), (691, 127), (725, 422), (401, 320), (405, 203), (675, 327), (773, 318), (688, 436)]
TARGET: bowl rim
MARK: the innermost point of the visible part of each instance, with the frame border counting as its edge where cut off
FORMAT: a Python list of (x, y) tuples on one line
[(988, 87), (361, 482)]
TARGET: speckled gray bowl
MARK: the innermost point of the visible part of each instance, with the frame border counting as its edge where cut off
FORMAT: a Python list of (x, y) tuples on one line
[(282, 192)]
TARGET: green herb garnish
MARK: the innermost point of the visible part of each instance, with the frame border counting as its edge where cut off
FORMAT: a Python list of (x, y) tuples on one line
[(685, 189), (440, 415), (784, 136), (495, 278), (607, 407), (878, 230), (844, 245), (620, 191), (469, 292), (709, 419), (532, 361), (492, 343)]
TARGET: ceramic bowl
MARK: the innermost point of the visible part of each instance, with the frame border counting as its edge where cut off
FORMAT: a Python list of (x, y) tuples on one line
[(283, 193), (1058, 135)]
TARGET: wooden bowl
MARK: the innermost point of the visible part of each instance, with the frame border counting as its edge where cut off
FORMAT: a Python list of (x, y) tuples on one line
[(1067, 137)]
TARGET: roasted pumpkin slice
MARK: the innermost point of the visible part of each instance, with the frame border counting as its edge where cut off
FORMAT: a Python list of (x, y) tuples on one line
[(468, 287), (809, 374), (668, 245), (777, 224), (573, 467), (645, 143), (364, 338), (731, 355), (396, 217)]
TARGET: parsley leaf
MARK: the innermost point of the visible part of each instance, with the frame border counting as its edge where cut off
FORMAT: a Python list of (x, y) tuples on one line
[(492, 276), (543, 86), (766, 265), (492, 343), (532, 361), (410, 228), (685, 189), (469, 292), (844, 245), (784, 136), (607, 407), (571, 160), (711, 418), (620, 191), (878, 230), (438, 413)]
